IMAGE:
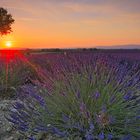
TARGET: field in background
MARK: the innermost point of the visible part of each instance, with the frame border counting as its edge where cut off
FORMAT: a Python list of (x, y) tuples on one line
[(28, 78)]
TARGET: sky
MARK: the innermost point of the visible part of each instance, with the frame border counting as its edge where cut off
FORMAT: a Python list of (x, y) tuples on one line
[(73, 23)]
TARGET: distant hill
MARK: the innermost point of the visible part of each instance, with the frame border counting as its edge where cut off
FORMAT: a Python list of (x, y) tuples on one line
[(128, 46)]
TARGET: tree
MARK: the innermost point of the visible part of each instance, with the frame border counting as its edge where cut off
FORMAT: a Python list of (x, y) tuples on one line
[(6, 21)]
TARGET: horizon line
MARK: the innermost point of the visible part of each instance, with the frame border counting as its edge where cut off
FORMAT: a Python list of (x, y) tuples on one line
[(125, 46)]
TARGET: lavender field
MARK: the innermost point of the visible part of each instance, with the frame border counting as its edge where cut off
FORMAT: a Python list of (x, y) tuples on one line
[(70, 95)]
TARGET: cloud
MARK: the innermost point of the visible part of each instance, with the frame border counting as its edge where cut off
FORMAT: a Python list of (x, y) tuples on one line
[(124, 6), (72, 9)]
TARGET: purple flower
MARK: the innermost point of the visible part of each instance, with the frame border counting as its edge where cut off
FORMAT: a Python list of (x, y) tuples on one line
[(89, 136), (136, 80), (65, 118), (87, 114), (23, 128), (128, 96), (110, 136), (16, 118), (78, 95), (82, 107), (24, 114), (32, 138), (101, 136), (95, 95), (39, 99), (112, 99), (104, 109), (41, 128), (18, 105), (13, 121), (127, 137), (63, 94), (90, 77), (58, 132), (111, 119), (78, 126), (107, 81), (91, 128)]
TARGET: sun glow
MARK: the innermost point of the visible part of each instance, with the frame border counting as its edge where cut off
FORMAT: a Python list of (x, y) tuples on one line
[(8, 44)]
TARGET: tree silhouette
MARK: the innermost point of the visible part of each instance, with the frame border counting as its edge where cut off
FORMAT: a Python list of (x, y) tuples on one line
[(6, 21)]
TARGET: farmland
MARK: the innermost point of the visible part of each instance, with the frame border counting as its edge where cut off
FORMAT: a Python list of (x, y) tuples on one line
[(70, 94)]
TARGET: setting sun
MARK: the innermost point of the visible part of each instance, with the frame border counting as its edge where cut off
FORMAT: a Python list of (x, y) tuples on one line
[(8, 44)]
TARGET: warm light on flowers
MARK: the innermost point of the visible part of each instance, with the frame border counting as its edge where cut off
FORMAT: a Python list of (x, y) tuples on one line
[(85, 96)]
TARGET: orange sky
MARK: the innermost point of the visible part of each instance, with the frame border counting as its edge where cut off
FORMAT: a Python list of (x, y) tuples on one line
[(73, 23)]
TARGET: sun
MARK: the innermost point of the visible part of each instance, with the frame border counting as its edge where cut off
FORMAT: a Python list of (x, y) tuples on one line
[(8, 44)]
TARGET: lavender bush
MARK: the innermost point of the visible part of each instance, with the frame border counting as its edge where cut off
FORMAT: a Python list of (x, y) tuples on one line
[(13, 75), (91, 98)]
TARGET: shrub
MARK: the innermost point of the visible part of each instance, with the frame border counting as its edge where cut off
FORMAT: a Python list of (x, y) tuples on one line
[(13, 75), (96, 100)]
